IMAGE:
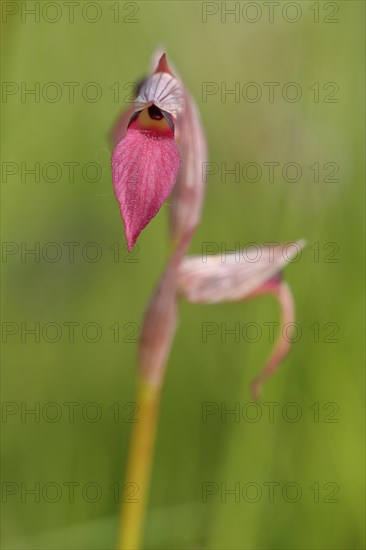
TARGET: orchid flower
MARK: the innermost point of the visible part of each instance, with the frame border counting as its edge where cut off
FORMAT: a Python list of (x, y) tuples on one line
[(160, 150), (161, 146), (146, 161)]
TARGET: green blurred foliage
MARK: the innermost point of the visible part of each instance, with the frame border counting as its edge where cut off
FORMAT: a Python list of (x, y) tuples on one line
[(189, 452)]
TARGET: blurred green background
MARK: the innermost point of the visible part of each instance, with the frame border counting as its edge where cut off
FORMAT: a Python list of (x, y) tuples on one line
[(316, 451)]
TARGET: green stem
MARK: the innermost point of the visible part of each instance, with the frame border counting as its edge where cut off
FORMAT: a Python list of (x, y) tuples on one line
[(139, 465)]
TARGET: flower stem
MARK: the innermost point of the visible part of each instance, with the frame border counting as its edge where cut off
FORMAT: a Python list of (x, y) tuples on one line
[(131, 525)]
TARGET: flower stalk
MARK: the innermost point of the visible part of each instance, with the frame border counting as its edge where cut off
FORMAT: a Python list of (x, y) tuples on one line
[(130, 533)]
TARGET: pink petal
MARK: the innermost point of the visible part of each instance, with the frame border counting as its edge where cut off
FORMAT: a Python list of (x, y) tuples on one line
[(144, 169), (233, 278)]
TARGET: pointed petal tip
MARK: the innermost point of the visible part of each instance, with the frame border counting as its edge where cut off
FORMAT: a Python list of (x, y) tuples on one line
[(130, 235), (163, 66), (130, 244)]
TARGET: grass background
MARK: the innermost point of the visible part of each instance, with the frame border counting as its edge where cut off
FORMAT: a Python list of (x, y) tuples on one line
[(189, 452)]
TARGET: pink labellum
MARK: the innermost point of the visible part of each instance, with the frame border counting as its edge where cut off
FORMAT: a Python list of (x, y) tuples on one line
[(145, 165)]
